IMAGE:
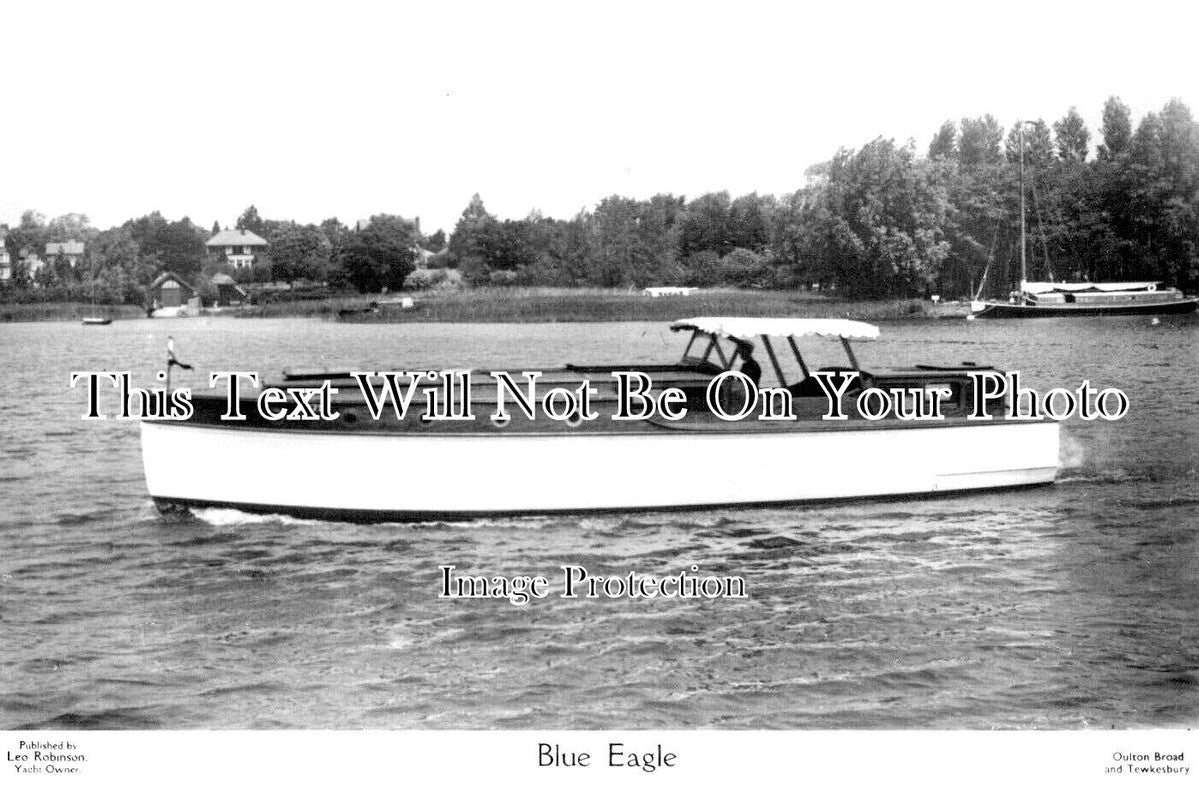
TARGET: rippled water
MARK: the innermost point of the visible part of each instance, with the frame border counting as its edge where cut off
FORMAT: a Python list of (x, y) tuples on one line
[(1063, 607)]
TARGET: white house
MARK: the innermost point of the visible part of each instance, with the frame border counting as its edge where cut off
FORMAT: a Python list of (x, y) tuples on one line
[(5, 259), (237, 247)]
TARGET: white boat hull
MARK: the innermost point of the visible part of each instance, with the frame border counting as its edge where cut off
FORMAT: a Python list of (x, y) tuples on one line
[(380, 476)]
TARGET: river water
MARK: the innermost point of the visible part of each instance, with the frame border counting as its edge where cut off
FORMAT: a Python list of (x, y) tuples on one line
[(1071, 606)]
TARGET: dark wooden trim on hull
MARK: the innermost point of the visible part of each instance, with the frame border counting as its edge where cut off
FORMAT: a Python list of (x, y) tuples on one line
[(542, 428), (1009, 311), (171, 506)]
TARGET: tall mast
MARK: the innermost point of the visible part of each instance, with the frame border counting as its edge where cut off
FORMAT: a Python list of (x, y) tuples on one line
[(1023, 246), (1024, 266)]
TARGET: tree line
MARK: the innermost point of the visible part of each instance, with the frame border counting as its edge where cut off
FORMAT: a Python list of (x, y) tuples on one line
[(882, 220)]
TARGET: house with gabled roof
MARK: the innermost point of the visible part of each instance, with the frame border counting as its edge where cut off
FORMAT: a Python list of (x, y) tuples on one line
[(168, 289), (237, 248), (228, 293), (71, 250)]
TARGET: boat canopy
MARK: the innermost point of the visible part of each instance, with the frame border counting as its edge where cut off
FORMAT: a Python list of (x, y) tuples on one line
[(749, 327), (1042, 288)]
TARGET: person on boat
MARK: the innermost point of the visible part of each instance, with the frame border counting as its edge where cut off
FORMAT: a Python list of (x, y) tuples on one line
[(749, 368)]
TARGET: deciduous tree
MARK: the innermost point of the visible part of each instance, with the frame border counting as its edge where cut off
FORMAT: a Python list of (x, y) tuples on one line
[(1116, 128), (945, 143), (979, 142), (382, 254), (1072, 136), (300, 252), (250, 221)]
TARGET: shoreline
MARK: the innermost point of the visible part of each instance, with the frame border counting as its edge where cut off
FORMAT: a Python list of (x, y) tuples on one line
[(534, 305), (66, 311)]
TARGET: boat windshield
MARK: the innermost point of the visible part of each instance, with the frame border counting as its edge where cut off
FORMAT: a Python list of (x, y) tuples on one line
[(717, 344), (744, 344), (705, 349)]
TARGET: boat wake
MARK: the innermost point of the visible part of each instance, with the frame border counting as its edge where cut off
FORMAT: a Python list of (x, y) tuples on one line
[(1108, 476), (523, 523), (220, 517), (1072, 453), (223, 517)]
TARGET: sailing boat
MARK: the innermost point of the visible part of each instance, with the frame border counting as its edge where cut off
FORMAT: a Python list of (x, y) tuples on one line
[(1078, 299), (95, 318)]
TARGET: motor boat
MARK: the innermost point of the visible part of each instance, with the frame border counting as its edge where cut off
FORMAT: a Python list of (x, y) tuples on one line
[(371, 463)]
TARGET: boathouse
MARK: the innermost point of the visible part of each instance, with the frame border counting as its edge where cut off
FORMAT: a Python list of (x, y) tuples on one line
[(228, 293), (168, 289)]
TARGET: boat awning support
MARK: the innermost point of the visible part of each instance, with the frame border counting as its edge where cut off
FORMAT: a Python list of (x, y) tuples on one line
[(799, 359), (778, 370), (726, 362), (691, 341), (853, 360)]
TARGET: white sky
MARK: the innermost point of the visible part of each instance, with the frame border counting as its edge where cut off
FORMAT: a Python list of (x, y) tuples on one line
[(311, 110)]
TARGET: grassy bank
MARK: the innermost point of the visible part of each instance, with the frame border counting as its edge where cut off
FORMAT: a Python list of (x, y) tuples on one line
[(49, 312), (602, 305), (525, 304)]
